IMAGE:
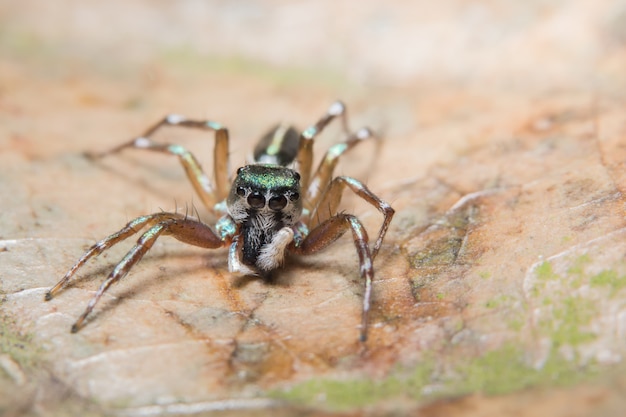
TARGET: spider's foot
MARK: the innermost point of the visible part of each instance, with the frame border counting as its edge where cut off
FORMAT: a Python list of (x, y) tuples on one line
[(80, 322), (363, 335), (48, 296)]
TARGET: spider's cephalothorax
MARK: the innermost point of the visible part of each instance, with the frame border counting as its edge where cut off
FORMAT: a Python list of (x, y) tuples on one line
[(275, 205), (263, 200)]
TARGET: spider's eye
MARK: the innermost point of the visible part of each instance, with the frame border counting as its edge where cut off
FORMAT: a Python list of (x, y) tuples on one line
[(241, 191), (297, 175), (294, 196), (256, 200), (278, 202), (239, 170)]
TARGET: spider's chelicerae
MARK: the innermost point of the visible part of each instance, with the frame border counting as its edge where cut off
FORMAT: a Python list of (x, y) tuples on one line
[(274, 205)]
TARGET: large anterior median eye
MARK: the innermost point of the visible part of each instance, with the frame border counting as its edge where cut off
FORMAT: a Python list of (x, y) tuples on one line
[(278, 202), (256, 200)]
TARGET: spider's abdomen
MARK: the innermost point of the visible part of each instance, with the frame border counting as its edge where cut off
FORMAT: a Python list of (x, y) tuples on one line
[(279, 146)]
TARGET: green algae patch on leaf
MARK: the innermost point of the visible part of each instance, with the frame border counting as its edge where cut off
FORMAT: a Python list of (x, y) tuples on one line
[(571, 317), (545, 272), (17, 346), (566, 312), (572, 303), (347, 394), (502, 371), (611, 279), (506, 370)]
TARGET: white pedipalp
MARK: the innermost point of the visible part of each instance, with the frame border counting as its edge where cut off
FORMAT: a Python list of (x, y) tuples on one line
[(272, 255)]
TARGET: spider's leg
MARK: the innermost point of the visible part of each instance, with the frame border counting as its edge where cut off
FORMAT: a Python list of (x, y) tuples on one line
[(127, 231), (304, 157), (192, 167), (324, 173), (186, 230), (331, 230), (331, 198)]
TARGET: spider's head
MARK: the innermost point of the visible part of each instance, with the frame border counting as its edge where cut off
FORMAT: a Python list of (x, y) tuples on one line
[(265, 189)]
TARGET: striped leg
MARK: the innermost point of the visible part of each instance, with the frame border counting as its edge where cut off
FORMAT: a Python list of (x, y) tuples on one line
[(331, 230), (196, 175), (185, 229), (304, 158), (324, 173), (331, 198), (133, 227)]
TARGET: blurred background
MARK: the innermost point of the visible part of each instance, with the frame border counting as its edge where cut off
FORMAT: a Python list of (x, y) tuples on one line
[(503, 44)]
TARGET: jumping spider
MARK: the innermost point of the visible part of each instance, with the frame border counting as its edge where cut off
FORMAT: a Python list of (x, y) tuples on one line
[(269, 209)]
